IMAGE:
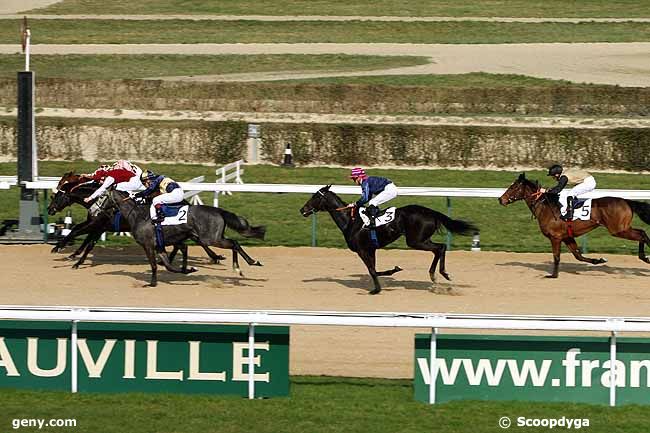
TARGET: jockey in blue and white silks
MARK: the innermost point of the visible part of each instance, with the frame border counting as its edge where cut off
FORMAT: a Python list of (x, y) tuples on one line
[(381, 188), (171, 192)]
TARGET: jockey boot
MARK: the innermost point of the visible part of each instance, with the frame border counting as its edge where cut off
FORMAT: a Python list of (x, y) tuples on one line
[(373, 212), (569, 209), (160, 216)]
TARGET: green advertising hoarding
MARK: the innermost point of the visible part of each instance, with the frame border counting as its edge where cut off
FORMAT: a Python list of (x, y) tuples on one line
[(506, 367), (132, 357)]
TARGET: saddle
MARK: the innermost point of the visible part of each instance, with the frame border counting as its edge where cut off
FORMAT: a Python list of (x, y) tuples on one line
[(384, 217), (172, 209)]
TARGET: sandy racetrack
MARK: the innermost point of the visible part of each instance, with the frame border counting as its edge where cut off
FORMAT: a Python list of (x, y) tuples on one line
[(331, 279)]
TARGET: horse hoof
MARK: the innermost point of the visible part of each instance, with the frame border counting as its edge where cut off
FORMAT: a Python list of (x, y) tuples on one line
[(55, 250), (217, 260), (397, 269), (75, 266), (446, 275), (191, 270), (257, 263), (550, 276), (71, 257), (374, 292)]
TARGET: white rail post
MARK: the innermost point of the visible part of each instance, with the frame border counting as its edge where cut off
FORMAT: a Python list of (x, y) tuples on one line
[(433, 372), (73, 357), (612, 369), (251, 361)]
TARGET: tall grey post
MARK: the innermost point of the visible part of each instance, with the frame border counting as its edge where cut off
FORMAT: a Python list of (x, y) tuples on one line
[(29, 226)]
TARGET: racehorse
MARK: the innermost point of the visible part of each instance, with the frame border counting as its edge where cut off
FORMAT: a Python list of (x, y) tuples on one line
[(416, 223), (73, 188), (613, 213), (206, 224)]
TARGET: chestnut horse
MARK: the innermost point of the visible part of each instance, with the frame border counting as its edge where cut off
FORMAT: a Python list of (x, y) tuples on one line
[(613, 213)]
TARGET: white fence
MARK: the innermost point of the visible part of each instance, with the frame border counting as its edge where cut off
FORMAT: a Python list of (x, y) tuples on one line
[(352, 189), (229, 172), (433, 321)]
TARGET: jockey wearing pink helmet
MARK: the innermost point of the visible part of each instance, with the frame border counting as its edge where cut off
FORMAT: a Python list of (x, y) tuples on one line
[(381, 188)]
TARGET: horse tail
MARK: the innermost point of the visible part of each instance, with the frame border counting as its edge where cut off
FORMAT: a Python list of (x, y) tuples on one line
[(455, 226), (242, 226), (641, 209), (458, 226)]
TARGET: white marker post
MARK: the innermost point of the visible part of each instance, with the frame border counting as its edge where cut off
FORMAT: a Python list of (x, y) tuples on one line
[(25, 39)]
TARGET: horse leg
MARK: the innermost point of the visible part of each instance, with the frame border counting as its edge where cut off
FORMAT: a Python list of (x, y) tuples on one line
[(636, 235), (173, 253), (151, 256), (251, 261), (438, 251), (229, 244), (216, 258), (368, 258), (81, 248), (555, 246), (389, 272), (573, 247), (90, 242), (183, 248), (76, 230)]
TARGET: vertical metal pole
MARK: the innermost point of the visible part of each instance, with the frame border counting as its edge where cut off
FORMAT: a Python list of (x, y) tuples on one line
[(46, 233), (314, 230), (433, 372), (612, 369), (449, 215), (73, 357), (251, 361)]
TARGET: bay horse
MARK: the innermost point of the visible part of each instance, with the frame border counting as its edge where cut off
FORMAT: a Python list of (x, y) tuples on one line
[(205, 224), (73, 188), (613, 213), (416, 223)]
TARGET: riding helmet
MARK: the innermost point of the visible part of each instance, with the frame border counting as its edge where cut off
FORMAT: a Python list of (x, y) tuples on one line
[(358, 172), (554, 170), (148, 175)]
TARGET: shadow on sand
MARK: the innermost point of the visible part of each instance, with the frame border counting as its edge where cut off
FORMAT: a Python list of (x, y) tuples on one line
[(389, 284), (581, 268)]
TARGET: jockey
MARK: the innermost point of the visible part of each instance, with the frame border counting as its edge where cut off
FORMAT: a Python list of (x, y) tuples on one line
[(582, 183), (171, 192), (383, 189), (124, 174)]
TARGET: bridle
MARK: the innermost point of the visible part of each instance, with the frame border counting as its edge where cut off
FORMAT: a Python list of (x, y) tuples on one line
[(313, 210)]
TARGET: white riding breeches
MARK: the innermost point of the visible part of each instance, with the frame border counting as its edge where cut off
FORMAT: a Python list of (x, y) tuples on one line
[(389, 193), (171, 197), (588, 185)]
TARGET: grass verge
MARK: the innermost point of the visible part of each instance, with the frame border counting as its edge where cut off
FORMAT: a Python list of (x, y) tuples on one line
[(112, 67), (316, 404), (487, 8), (193, 32)]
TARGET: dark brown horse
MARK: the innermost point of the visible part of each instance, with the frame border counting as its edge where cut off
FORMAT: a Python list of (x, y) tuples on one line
[(613, 213), (416, 223)]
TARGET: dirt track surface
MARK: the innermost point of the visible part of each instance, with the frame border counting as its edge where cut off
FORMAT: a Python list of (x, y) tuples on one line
[(331, 279), (624, 64)]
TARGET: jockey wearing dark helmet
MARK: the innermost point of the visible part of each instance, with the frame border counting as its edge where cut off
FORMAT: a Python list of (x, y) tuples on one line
[(171, 192), (582, 182)]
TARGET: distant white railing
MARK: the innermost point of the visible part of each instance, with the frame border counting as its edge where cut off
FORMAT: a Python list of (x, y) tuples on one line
[(225, 175)]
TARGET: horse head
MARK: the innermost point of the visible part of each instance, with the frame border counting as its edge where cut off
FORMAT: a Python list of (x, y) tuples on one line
[(520, 189), (317, 202), (63, 197)]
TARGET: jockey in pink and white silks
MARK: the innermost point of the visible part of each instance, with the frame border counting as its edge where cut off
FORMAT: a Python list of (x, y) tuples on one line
[(582, 182), (171, 192), (381, 188)]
